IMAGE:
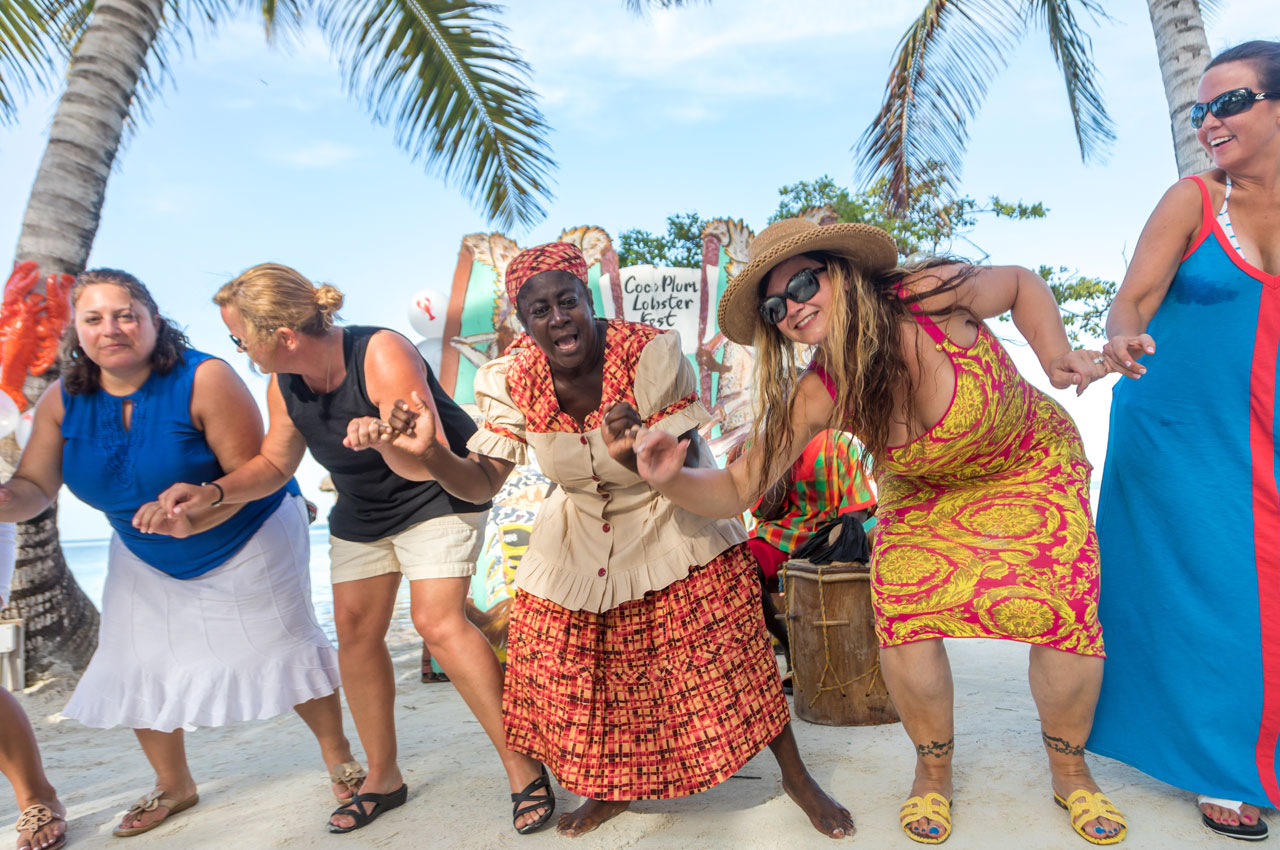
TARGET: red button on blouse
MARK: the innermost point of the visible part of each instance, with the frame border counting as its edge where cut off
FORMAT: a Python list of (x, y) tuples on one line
[(606, 526), (584, 439), (601, 573)]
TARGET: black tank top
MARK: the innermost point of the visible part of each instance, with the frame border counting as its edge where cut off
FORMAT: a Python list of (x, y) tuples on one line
[(373, 502)]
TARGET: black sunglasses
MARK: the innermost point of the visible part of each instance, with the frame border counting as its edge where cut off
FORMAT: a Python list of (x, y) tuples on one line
[(802, 286), (239, 343), (1229, 103)]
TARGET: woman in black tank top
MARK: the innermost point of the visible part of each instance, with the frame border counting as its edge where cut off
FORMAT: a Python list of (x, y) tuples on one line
[(331, 391)]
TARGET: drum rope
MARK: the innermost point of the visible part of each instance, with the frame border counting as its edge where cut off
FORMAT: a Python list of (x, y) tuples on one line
[(826, 650)]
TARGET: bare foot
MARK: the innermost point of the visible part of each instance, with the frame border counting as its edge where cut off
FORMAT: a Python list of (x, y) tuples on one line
[(1248, 814), (827, 816), (33, 838), (136, 818), (589, 815), (927, 827), (1065, 785)]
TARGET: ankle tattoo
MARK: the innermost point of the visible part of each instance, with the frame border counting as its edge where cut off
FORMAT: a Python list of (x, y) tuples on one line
[(937, 749), (1062, 745)]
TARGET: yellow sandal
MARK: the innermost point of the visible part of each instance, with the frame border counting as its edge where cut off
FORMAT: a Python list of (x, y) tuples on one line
[(932, 806), (1084, 806)]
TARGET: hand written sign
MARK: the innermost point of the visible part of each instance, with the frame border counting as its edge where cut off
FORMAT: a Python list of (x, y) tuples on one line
[(667, 298)]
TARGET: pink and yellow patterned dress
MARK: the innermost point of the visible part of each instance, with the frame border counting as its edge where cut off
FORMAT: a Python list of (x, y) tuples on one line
[(985, 528)]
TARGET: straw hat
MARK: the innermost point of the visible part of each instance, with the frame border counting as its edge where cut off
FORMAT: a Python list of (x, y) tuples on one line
[(868, 247)]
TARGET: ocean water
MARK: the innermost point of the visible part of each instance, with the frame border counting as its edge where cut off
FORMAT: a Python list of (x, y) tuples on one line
[(87, 560)]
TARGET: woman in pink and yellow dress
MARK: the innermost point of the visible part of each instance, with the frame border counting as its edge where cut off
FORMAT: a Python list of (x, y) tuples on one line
[(983, 527)]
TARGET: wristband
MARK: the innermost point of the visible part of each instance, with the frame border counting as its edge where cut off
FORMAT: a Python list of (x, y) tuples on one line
[(221, 494)]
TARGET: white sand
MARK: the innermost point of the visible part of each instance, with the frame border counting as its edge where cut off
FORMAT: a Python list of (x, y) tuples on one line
[(262, 786)]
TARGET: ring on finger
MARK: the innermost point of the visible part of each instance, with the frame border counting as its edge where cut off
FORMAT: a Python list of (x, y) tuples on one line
[(1099, 360)]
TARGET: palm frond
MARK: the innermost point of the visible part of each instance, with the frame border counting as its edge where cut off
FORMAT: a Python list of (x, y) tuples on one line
[(457, 93), (1210, 9), (30, 45), (936, 85), (640, 7), (1073, 51)]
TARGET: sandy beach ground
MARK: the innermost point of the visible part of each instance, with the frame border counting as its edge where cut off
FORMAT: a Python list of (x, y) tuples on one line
[(262, 786)]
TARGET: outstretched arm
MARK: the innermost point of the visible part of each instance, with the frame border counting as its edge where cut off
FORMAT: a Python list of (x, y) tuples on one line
[(412, 431), (35, 484), (991, 291), (1167, 236), (224, 411), (408, 433), (261, 475), (730, 491)]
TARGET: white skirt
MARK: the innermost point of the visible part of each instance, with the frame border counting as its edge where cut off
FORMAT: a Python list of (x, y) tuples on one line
[(8, 538), (240, 642)]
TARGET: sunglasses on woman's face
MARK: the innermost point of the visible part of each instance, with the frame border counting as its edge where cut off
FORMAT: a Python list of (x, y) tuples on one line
[(1229, 103), (802, 286)]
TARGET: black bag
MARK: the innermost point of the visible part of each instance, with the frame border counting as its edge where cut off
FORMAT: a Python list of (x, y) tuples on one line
[(842, 539)]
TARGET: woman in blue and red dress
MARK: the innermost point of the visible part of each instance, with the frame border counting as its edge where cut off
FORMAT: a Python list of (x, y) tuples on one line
[(1191, 589)]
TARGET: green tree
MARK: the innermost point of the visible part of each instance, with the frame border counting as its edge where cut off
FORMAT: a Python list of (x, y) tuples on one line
[(949, 55), (932, 224), (441, 71), (680, 246), (935, 221)]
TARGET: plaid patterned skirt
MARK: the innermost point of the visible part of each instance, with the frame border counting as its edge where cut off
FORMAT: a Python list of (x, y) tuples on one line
[(661, 697)]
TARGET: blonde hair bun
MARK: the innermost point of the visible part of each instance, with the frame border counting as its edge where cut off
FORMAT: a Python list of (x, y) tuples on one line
[(328, 299)]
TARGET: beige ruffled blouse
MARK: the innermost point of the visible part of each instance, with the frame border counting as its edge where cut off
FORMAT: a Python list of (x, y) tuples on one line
[(604, 536)]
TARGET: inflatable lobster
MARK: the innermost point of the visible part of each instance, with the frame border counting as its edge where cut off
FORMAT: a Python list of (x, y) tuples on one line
[(31, 325)]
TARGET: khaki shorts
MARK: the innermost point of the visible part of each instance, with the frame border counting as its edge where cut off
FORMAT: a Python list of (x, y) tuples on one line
[(443, 547)]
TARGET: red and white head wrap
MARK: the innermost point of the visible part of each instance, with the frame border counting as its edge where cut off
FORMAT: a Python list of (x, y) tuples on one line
[(554, 256)]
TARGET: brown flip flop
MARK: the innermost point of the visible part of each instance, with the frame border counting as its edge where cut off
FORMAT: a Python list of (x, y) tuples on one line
[(151, 802), (348, 774)]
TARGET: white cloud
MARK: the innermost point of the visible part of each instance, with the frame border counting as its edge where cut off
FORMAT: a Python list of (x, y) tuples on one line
[(323, 154)]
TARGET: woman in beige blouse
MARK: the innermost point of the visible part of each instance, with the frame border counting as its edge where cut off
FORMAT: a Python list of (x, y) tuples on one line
[(638, 666)]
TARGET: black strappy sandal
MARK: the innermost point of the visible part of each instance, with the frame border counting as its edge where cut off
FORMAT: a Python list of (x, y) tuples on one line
[(381, 803), (532, 802)]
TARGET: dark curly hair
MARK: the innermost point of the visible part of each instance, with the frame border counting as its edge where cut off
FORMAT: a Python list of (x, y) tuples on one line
[(80, 375)]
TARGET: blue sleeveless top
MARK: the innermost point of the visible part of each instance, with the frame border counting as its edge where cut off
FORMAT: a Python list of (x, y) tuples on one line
[(118, 471)]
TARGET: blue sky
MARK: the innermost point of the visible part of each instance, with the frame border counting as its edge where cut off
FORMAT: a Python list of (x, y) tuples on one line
[(257, 153)]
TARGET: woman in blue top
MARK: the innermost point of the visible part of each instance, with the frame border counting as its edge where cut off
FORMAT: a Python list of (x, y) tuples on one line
[(206, 618), (1191, 692)]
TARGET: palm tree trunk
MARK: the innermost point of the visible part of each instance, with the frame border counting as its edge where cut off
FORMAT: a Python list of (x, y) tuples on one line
[(57, 232), (1183, 52)]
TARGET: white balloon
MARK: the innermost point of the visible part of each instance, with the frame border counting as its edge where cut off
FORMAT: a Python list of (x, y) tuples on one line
[(24, 428), (432, 351), (427, 312), (8, 414)]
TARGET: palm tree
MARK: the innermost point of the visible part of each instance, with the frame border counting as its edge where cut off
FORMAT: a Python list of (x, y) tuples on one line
[(440, 70), (946, 58)]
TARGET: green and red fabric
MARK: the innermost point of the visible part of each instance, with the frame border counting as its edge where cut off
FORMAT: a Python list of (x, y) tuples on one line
[(827, 481)]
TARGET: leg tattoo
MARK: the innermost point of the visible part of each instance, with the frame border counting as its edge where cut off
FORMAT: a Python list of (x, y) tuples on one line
[(1062, 745), (937, 749)]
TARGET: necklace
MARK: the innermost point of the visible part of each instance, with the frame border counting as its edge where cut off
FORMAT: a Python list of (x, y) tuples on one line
[(326, 387)]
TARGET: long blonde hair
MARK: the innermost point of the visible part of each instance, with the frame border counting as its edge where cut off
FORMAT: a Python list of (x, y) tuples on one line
[(270, 296), (862, 352)]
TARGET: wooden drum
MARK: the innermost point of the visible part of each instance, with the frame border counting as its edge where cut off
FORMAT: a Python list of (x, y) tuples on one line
[(835, 658)]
